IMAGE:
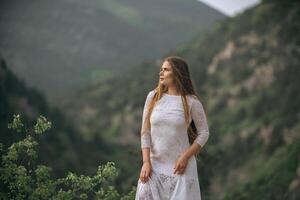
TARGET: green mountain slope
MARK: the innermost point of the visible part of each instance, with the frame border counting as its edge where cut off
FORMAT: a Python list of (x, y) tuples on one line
[(246, 71), (59, 46), (62, 147)]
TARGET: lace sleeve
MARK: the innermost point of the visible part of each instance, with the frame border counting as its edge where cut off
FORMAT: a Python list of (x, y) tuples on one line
[(199, 118), (145, 130)]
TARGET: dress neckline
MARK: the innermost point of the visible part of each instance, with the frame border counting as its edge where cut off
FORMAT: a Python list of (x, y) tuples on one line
[(172, 95)]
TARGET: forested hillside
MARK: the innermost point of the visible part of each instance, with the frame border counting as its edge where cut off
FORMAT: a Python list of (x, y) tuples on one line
[(62, 148), (246, 71)]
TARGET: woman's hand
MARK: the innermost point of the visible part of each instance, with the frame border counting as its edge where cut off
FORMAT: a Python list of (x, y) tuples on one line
[(146, 171), (181, 164)]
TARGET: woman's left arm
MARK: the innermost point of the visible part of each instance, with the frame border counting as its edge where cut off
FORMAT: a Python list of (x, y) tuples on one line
[(199, 117)]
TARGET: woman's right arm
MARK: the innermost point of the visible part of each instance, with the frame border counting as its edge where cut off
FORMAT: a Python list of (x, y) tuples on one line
[(146, 141)]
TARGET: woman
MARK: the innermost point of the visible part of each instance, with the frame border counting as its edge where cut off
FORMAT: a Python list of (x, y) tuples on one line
[(174, 130)]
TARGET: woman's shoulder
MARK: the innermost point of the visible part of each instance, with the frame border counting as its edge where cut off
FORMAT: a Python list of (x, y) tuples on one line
[(150, 94), (192, 97), (189, 96)]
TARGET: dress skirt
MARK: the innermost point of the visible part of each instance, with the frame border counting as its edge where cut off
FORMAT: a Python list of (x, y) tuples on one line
[(164, 185)]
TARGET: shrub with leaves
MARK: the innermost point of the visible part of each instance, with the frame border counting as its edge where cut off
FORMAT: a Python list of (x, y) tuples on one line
[(22, 178)]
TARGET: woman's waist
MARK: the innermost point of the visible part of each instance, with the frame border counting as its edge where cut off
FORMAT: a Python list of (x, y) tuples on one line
[(165, 156), (167, 166)]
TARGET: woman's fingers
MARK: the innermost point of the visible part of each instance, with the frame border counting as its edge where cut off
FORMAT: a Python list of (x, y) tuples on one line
[(144, 176), (183, 169), (179, 169), (176, 167)]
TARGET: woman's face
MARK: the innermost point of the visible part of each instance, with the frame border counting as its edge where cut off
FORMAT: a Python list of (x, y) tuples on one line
[(166, 74)]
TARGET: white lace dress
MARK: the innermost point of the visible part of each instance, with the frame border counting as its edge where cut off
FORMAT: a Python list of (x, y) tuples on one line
[(167, 140)]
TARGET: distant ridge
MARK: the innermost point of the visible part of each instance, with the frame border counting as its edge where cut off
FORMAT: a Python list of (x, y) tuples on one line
[(61, 45)]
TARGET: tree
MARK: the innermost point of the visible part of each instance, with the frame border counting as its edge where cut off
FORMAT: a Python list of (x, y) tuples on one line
[(21, 177)]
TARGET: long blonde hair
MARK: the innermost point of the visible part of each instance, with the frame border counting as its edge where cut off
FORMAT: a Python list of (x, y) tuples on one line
[(185, 87)]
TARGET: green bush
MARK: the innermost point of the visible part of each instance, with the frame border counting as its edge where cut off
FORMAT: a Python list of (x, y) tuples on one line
[(21, 177)]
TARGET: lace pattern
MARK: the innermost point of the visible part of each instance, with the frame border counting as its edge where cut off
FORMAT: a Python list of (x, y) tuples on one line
[(167, 139), (199, 118), (162, 187), (146, 140), (146, 131)]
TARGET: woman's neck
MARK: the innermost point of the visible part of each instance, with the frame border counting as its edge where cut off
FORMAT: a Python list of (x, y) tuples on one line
[(172, 91)]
